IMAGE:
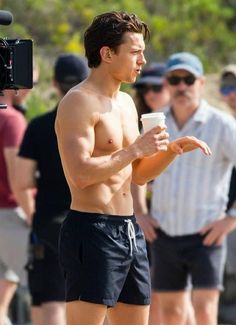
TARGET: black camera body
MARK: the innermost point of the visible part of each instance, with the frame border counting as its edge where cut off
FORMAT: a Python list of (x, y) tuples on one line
[(16, 66)]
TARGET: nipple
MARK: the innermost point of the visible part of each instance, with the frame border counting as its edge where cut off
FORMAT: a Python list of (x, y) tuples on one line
[(110, 141)]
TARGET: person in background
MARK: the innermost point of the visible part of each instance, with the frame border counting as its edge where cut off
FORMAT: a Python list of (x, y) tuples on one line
[(14, 219), (151, 95), (19, 103), (39, 167), (228, 93), (228, 87), (189, 201)]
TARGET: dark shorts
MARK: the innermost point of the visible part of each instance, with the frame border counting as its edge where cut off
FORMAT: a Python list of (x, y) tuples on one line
[(45, 277), (183, 262), (101, 263)]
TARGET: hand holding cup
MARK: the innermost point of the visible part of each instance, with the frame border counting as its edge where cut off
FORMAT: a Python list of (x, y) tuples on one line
[(150, 120)]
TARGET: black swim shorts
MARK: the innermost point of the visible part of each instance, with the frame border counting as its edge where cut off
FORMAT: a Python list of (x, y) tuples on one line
[(104, 259)]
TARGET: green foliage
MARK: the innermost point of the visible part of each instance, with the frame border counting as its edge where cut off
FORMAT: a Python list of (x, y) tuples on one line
[(36, 106)]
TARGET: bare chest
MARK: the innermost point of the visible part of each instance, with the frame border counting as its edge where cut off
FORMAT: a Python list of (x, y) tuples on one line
[(114, 130)]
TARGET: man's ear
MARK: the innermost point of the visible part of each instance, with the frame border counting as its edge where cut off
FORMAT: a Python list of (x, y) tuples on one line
[(106, 54)]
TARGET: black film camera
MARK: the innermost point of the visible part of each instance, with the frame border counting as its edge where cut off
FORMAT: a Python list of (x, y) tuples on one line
[(16, 64), (16, 60)]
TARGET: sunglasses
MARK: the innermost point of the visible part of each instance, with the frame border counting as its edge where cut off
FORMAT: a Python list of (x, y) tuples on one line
[(175, 80), (145, 89), (226, 90)]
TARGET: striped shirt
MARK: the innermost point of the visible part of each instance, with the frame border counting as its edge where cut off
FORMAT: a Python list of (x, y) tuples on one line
[(193, 190)]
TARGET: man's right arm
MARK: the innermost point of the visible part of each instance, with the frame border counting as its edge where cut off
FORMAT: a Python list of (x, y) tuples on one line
[(12, 137), (23, 196)]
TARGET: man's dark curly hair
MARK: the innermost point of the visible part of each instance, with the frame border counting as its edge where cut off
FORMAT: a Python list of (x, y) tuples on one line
[(108, 29)]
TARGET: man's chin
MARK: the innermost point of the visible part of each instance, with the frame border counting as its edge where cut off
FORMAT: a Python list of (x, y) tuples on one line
[(181, 100), (129, 81)]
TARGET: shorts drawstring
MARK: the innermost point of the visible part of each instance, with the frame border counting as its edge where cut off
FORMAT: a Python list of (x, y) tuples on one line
[(131, 235)]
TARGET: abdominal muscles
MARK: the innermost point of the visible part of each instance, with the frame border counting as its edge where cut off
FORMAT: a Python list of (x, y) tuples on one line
[(112, 196)]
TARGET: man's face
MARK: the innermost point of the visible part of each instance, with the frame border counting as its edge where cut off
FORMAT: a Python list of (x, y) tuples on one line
[(228, 91), (129, 58), (185, 88)]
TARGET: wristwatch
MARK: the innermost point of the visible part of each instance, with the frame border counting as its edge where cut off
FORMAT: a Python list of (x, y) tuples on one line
[(232, 212)]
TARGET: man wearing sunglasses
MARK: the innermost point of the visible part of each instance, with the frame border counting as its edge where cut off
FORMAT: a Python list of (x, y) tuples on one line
[(228, 93), (189, 201), (228, 86)]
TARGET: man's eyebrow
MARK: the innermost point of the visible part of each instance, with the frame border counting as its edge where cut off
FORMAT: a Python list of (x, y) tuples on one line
[(138, 48)]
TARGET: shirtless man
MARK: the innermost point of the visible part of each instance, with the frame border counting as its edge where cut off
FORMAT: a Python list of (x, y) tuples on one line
[(102, 248)]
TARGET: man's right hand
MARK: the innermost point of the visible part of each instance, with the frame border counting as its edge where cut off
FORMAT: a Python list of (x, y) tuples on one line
[(148, 225), (151, 142)]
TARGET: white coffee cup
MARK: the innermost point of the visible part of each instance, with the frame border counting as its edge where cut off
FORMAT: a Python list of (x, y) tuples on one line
[(150, 120)]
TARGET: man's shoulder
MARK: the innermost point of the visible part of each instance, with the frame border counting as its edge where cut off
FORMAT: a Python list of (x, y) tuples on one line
[(10, 111), (41, 126), (125, 98), (43, 119), (124, 94), (11, 115), (77, 99)]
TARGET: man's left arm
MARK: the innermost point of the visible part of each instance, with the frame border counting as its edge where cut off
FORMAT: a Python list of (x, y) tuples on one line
[(148, 168)]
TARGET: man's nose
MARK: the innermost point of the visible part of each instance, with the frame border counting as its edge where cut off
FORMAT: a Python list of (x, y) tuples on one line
[(142, 59)]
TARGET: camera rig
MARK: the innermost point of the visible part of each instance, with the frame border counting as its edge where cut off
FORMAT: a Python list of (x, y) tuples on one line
[(15, 64), (16, 60)]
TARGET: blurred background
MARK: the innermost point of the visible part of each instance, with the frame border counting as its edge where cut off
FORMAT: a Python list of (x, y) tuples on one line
[(204, 27)]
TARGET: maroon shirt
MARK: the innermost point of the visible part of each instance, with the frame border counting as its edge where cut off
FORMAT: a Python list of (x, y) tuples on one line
[(12, 128)]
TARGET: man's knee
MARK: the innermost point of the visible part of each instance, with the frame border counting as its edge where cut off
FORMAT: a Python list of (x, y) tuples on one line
[(206, 311), (173, 313)]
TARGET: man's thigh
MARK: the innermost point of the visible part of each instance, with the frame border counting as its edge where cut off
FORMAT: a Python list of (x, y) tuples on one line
[(45, 278), (206, 299), (127, 314), (208, 267), (81, 312), (13, 245), (169, 271), (175, 306)]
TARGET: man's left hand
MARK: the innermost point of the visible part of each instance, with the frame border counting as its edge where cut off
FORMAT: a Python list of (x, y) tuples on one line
[(186, 144), (216, 231)]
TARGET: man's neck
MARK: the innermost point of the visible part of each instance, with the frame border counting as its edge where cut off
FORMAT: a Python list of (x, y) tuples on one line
[(183, 114), (102, 83)]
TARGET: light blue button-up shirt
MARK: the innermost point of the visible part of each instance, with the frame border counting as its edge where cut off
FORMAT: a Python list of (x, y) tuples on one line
[(193, 190)]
